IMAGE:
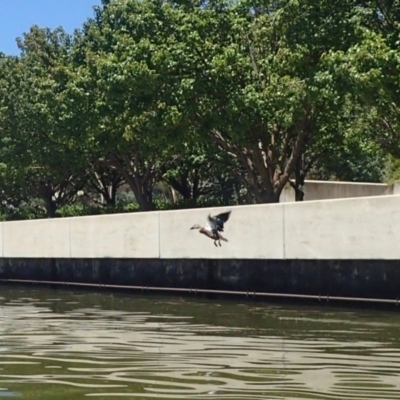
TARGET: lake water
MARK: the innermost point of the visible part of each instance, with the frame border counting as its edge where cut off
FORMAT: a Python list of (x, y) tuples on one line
[(59, 344)]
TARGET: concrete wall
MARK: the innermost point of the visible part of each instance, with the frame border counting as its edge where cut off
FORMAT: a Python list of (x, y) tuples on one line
[(253, 232), (133, 235), (363, 228), (36, 238), (324, 190), (356, 228), (395, 188)]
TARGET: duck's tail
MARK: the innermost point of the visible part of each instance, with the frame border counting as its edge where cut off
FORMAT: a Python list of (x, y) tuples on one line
[(222, 238)]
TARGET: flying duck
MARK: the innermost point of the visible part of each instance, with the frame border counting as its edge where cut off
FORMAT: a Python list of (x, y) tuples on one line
[(215, 225)]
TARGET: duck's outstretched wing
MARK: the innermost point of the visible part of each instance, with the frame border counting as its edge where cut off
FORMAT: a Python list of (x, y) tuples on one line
[(217, 221), (223, 216)]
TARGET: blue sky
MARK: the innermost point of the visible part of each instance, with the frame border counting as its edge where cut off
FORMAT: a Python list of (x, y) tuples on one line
[(17, 16)]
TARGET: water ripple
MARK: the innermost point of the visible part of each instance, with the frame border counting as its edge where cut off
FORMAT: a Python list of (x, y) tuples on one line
[(69, 345)]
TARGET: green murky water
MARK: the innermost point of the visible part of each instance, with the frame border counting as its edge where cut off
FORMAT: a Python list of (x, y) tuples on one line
[(72, 345)]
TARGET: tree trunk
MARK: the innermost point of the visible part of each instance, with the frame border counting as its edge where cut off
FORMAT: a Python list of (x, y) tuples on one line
[(113, 194), (46, 193), (181, 185), (299, 181), (299, 195), (262, 188), (51, 207), (141, 190), (109, 195), (105, 181), (264, 196), (141, 185), (145, 200), (174, 195)]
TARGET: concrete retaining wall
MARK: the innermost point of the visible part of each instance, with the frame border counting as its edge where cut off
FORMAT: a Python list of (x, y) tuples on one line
[(133, 235), (254, 232), (324, 190), (365, 228), (350, 278)]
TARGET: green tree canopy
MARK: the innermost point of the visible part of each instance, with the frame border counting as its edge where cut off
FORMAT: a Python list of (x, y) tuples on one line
[(38, 119)]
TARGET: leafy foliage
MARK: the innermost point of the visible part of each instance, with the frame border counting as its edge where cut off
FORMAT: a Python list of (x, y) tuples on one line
[(38, 120), (190, 103)]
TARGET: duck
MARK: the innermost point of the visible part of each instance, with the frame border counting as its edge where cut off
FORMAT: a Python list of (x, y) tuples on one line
[(214, 227)]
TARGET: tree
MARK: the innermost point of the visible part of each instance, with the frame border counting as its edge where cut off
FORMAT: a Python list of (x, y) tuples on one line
[(356, 158), (38, 119), (211, 97), (199, 171), (369, 71), (253, 81), (392, 172), (103, 181), (134, 118)]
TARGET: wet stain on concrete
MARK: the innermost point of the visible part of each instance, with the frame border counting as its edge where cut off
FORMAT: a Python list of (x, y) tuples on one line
[(372, 279)]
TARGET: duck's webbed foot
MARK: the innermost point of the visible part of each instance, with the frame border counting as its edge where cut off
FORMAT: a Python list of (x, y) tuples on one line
[(219, 242), (215, 243)]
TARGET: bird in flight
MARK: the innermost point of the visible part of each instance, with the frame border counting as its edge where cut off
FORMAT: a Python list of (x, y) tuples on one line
[(214, 227)]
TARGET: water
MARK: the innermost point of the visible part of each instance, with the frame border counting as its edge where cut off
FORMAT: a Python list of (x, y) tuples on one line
[(70, 345)]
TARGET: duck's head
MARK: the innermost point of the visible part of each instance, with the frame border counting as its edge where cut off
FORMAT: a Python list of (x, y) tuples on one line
[(197, 226)]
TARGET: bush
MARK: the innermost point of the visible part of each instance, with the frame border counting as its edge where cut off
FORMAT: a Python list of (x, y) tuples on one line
[(24, 211), (30, 211), (80, 210)]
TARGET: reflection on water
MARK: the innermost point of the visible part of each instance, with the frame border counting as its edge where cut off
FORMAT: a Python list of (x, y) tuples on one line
[(69, 345)]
